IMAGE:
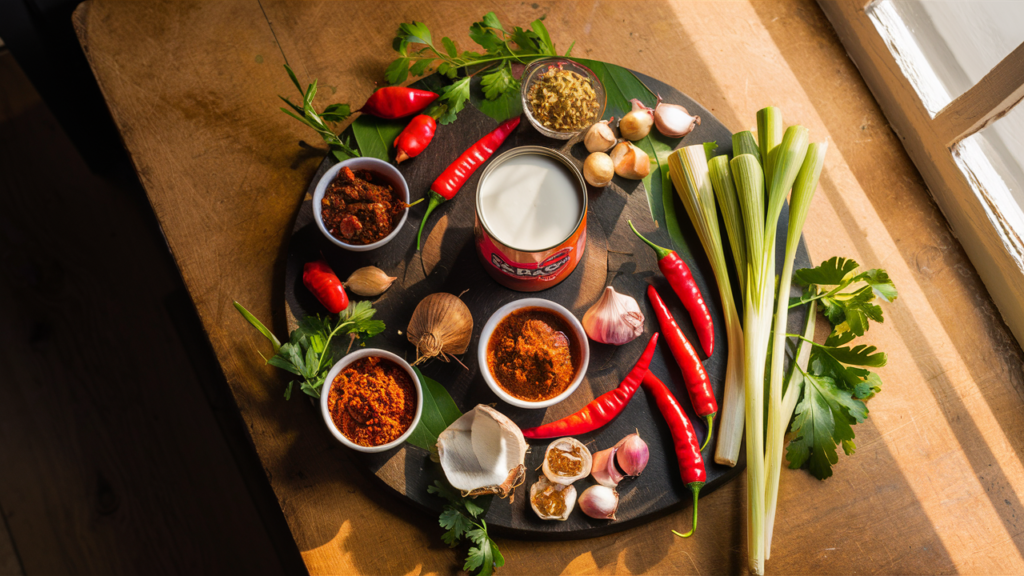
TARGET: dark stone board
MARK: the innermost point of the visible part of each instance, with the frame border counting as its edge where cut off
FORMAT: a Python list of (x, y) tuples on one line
[(448, 263)]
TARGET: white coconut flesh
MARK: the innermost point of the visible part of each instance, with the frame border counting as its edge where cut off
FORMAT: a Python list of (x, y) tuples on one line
[(567, 460), (483, 452), (552, 501)]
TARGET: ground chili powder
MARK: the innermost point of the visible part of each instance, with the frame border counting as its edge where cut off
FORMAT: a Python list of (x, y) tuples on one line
[(532, 354), (372, 401)]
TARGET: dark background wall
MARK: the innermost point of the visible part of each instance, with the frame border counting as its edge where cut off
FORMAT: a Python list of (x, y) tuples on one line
[(121, 450)]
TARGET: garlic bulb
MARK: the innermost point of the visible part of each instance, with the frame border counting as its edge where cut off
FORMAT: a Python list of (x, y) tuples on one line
[(483, 452), (369, 281), (604, 470), (566, 460), (614, 319), (637, 123), (673, 120), (630, 162), (632, 454), (440, 325), (598, 169), (552, 501), (599, 137), (599, 502)]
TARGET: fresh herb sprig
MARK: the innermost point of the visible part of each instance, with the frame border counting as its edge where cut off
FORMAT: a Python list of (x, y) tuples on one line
[(341, 149), (459, 519), (837, 381), (417, 53), (308, 352)]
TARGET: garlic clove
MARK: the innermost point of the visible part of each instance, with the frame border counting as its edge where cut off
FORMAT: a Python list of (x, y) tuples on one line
[(600, 137), (598, 169), (630, 162), (604, 470), (599, 502), (632, 454), (673, 120), (614, 319), (552, 501), (636, 124), (369, 281), (567, 460)]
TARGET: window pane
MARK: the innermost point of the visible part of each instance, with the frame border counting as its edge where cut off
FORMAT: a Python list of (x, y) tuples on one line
[(945, 46), (991, 160)]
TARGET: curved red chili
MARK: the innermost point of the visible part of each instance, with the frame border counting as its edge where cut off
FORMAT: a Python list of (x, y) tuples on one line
[(697, 383), (691, 463), (679, 277), (324, 284), (449, 182), (415, 138), (602, 409), (397, 102)]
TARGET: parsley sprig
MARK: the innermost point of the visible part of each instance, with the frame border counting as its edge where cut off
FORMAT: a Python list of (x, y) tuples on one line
[(459, 519), (308, 353), (341, 149), (837, 381), (417, 53)]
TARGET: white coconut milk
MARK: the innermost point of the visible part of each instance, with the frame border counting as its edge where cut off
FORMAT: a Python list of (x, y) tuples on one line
[(531, 202)]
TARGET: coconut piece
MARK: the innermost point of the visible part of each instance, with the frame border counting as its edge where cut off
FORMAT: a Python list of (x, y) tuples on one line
[(483, 452), (552, 501), (567, 460)]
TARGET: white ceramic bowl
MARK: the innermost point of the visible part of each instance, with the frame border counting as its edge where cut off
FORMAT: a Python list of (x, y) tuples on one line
[(492, 322), (374, 165), (341, 365)]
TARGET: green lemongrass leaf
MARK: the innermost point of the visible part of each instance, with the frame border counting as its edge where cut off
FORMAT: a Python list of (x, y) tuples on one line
[(709, 149), (258, 325), (725, 192), (336, 113), (769, 136), (789, 158), (749, 181), (439, 411), (293, 106), (291, 74), (569, 51), (744, 143)]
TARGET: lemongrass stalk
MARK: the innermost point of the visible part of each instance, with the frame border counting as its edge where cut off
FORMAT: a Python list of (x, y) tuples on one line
[(769, 136), (725, 192), (744, 143), (688, 169), (749, 180), (805, 184)]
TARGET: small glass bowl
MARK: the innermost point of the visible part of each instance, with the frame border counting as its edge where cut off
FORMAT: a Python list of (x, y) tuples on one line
[(536, 69)]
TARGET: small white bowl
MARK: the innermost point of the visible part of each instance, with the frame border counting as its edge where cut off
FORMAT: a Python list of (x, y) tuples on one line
[(362, 163), (492, 323), (341, 365)]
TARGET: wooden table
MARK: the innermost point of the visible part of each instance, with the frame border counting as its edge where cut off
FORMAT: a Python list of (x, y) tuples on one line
[(937, 482)]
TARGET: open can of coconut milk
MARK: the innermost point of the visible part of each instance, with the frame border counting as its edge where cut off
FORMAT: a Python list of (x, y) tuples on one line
[(531, 218)]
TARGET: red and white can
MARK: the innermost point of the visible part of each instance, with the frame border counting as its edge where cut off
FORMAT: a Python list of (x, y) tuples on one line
[(531, 218)]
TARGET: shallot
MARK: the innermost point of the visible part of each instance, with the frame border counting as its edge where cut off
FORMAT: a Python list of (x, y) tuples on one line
[(636, 124), (673, 120)]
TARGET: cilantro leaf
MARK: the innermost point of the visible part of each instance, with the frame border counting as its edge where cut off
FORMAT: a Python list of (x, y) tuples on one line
[(456, 525), (456, 95), (473, 509), (496, 83), (545, 44), (831, 272), (824, 418), (880, 283)]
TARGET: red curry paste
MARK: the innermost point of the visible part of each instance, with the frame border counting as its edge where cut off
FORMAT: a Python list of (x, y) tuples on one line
[(532, 354), (372, 401), (360, 207)]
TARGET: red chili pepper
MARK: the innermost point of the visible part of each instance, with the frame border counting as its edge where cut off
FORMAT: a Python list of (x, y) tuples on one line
[(678, 275), (324, 284), (602, 409), (697, 383), (449, 182), (691, 463), (397, 102), (418, 133)]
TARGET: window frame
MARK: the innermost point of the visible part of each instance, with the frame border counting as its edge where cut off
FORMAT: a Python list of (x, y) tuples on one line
[(987, 227)]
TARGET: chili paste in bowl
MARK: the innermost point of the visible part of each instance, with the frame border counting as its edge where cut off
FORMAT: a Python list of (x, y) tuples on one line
[(533, 353), (360, 204)]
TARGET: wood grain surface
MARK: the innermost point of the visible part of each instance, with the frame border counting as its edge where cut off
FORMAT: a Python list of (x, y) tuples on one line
[(937, 482)]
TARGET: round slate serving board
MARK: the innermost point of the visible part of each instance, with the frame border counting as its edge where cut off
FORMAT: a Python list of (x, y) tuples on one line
[(448, 263)]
